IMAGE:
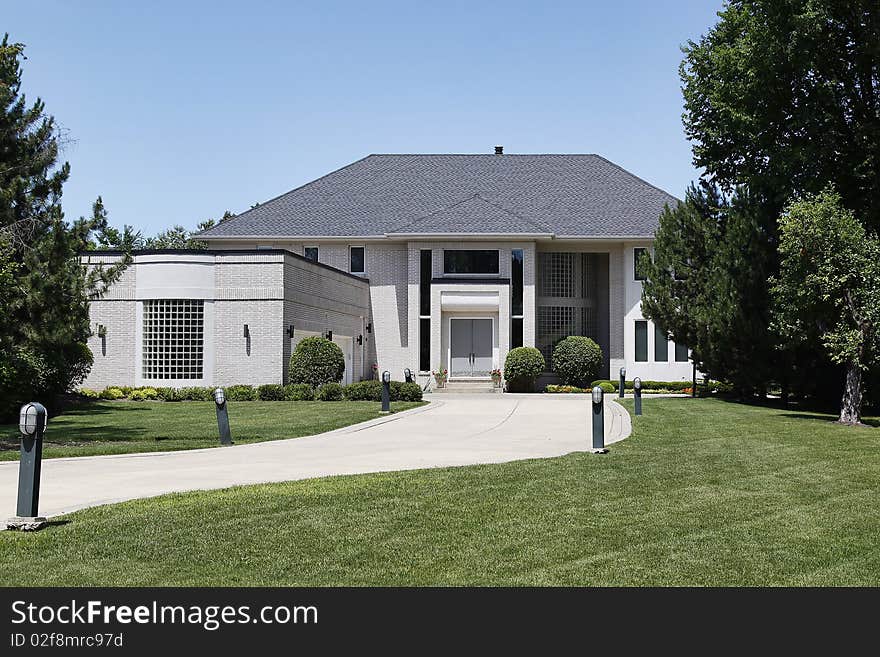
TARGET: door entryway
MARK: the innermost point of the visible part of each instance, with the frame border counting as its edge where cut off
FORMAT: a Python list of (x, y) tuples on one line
[(470, 347)]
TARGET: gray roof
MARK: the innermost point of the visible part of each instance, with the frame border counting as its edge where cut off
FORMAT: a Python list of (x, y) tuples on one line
[(564, 195)]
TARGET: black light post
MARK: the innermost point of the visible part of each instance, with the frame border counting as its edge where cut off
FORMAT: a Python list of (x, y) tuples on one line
[(622, 382), (386, 391), (222, 417), (598, 421), (408, 375), (32, 421), (637, 390)]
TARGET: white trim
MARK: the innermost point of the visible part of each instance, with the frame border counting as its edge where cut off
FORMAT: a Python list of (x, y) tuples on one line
[(350, 270), (449, 320)]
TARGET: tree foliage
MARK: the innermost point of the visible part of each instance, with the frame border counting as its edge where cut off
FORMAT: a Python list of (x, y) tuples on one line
[(44, 319), (828, 289)]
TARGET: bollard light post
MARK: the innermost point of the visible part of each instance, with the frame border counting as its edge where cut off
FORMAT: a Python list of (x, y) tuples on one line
[(386, 391), (598, 421), (408, 375), (637, 391), (620, 390), (222, 417), (32, 421)]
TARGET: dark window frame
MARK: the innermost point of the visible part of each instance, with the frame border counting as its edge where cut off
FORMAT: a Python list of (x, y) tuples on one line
[(306, 249), (681, 353), (475, 272), (517, 280), (661, 338), (641, 354), (351, 249)]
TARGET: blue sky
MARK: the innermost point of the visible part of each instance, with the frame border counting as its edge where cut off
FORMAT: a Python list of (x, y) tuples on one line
[(177, 111)]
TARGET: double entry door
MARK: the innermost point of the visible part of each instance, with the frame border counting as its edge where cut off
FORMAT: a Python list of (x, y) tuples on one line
[(470, 347)]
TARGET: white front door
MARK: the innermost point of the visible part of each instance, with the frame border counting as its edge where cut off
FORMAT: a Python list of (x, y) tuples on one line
[(470, 347)]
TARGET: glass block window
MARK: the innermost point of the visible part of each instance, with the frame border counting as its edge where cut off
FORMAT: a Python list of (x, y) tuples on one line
[(553, 324), (555, 275), (173, 338)]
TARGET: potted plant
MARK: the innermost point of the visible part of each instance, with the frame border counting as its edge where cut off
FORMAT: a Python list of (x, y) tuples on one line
[(496, 378), (440, 375)]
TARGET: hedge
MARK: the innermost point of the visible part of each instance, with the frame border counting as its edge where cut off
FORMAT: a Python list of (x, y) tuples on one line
[(299, 392), (330, 392), (271, 392), (241, 393), (372, 391)]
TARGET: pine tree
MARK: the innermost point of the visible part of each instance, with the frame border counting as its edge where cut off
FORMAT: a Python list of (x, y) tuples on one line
[(44, 306)]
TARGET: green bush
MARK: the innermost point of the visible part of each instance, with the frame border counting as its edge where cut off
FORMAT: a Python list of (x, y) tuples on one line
[(364, 391), (577, 360), (126, 390), (521, 367), (599, 383), (271, 392), (112, 393), (299, 392), (241, 393), (607, 387), (88, 393), (409, 392), (553, 388), (316, 361), (143, 394), (169, 394), (330, 392), (196, 394)]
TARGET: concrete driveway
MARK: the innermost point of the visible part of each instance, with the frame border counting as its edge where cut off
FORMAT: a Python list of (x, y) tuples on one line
[(452, 431)]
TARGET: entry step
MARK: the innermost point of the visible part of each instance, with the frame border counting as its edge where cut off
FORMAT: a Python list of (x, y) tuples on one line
[(467, 388)]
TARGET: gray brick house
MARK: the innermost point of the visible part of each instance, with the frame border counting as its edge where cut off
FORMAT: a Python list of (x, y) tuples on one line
[(412, 261)]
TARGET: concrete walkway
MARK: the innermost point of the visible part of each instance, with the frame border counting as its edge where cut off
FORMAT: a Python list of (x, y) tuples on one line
[(452, 431)]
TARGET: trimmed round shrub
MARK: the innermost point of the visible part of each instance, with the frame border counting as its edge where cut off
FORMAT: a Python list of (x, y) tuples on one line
[(241, 393), (271, 392), (299, 392), (599, 382), (316, 361), (330, 392), (409, 392), (521, 367), (365, 391), (607, 388), (112, 393), (577, 360)]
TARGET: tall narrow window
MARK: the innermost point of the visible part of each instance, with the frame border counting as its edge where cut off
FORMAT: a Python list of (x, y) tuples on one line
[(516, 298), (173, 338), (681, 353), (425, 344), (311, 253), (641, 341), (425, 282), (356, 260), (640, 254), (661, 345), (425, 273)]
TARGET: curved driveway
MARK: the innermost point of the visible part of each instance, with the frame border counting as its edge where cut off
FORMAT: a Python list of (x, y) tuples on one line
[(453, 430)]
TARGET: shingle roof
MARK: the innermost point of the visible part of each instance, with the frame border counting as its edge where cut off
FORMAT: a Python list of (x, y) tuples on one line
[(567, 195)]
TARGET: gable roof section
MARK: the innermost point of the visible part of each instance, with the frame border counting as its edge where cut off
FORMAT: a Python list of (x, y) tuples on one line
[(566, 195)]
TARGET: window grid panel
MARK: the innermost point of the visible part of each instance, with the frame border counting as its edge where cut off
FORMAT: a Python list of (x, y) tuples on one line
[(173, 339)]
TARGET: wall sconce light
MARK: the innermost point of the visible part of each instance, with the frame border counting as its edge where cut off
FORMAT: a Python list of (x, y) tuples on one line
[(360, 339), (290, 331), (247, 331), (370, 327), (329, 335), (102, 333)]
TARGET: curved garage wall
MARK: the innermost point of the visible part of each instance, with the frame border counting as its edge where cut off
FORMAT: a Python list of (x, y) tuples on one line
[(267, 290)]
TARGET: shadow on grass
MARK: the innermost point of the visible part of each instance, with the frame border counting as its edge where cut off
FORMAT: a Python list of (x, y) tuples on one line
[(797, 410)]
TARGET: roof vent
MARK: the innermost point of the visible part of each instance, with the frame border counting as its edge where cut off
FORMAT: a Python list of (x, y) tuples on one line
[(499, 150)]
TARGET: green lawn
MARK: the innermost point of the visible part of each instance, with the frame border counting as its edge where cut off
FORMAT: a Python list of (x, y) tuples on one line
[(704, 493), (123, 427)]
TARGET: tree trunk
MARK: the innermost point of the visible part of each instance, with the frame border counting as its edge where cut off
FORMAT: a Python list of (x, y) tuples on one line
[(851, 404)]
